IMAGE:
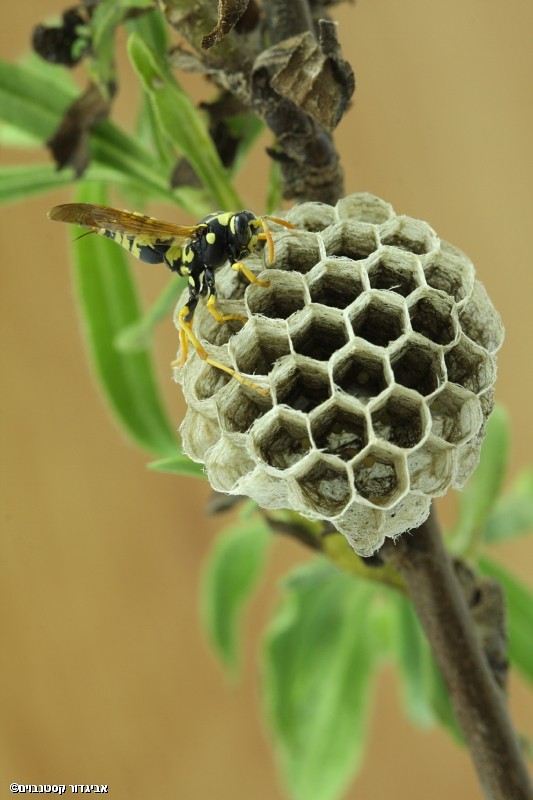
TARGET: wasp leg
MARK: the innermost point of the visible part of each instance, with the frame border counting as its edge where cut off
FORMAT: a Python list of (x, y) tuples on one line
[(240, 267), (209, 282), (187, 335)]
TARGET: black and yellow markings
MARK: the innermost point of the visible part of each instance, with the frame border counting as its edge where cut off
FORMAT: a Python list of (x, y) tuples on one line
[(196, 251)]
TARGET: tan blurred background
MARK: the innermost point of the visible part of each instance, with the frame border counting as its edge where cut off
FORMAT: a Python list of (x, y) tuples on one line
[(105, 675)]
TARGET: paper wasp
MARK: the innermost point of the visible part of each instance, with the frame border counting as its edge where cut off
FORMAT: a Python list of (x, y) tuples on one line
[(196, 251)]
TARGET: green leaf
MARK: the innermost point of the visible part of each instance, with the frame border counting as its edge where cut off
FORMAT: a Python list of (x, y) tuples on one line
[(107, 303), (482, 490), (513, 514), (230, 575), (519, 616), (425, 695), (411, 651), (182, 123), (32, 103), (320, 664), (138, 336), (26, 180), (178, 465)]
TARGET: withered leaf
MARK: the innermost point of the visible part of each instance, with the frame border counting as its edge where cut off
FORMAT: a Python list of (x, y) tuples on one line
[(70, 143), (228, 14), (312, 74)]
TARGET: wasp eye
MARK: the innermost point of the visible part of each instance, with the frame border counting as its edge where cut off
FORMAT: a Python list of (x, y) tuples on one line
[(242, 229)]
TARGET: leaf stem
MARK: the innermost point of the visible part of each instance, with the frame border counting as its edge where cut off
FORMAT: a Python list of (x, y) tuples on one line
[(478, 702)]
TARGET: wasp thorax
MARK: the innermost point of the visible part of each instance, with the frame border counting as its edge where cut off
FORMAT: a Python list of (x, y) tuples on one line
[(377, 346)]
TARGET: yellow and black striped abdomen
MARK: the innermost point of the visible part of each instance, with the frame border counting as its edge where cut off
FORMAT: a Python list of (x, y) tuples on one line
[(150, 249)]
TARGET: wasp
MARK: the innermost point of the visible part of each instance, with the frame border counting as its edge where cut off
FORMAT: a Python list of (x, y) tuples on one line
[(195, 251)]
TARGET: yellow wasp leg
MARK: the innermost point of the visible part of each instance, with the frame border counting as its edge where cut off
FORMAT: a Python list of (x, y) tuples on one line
[(187, 335), (240, 267), (222, 317)]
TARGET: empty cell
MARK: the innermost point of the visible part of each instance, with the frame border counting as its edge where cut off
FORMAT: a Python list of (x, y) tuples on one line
[(450, 273), (325, 488), (361, 374), (364, 207), (317, 334), (350, 239), (335, 285), (431, 467), (480, 320), (418, 366), (340, 431), (432, 316), (376, 479), (209, 381), (259, 345), (285, 295), (302, 386), (470, 366), (394, 271), (296, 252), (456, 414), (283, 442), (408, 234), (312, 216), (379, 320), (240, 409), (401, 420)]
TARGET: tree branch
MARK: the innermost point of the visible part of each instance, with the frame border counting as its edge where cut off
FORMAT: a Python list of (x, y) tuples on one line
[(479, 704)]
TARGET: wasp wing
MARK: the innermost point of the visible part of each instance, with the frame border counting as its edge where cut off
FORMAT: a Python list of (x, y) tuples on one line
[(126, 222)]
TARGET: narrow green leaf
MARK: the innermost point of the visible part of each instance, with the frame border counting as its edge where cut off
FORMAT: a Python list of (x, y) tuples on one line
[(30, 102), (519, 616), (26, 180), (513, 514), (153, 29), (231, 573), (481, 492), (138, 336), (320, 661), (178, 465), (182, 123), (411, 650), (107, 302)]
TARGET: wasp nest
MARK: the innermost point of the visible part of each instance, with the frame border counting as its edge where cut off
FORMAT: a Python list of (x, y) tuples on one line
[(377, 345)]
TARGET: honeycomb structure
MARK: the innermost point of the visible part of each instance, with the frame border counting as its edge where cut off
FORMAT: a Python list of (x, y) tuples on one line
[(377, 345)]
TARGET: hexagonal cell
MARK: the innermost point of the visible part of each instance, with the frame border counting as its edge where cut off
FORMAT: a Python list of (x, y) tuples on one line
[(470, 366), (409, 234), (339, 430), (336, 283), (325, 487), (380, 477), (394, 270), (350, 239), (259, 345), (219, 333), (226, 464), (379, 318), (318, 332), (282, 438), (286, 294), (208, 381), (364, 207), (296, 252), (360, 372), (312, 216), (300, 383), (433, 315), (198, 434), (417, 364), (431, 467), (480, 320), (450, 272), (401, 419), (456, 414), (241, 407)]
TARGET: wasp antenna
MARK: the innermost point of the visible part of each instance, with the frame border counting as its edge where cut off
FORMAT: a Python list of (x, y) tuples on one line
[(283, 222), (85, 233), (270, 242)]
